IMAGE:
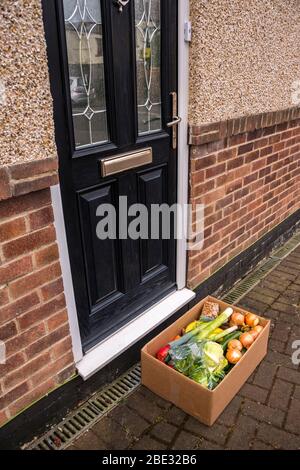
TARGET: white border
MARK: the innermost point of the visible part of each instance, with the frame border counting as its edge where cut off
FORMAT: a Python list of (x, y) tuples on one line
[(106, 351), (183, 148), (59, 223)]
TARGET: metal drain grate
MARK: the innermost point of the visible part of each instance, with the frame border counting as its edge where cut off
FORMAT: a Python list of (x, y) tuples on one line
[(76, 423), (252, 279), (92, 411)]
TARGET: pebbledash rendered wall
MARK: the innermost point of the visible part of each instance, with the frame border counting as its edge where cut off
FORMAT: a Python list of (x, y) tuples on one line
[(244, 124), (33, 317)]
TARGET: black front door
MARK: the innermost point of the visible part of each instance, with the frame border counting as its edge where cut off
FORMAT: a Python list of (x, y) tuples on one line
[(113, 68)]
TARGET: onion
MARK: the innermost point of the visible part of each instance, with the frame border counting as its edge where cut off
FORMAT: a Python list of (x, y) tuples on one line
[(235, 344), (237, 319), (254, 334), (258, 329), (251, 319), (246, 339), (233, 356)]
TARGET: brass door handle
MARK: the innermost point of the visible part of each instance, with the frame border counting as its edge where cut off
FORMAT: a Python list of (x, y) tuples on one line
[(177, 120)]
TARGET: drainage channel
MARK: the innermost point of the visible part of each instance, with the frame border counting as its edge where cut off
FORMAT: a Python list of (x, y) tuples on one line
[(99, 405), (88, 414)]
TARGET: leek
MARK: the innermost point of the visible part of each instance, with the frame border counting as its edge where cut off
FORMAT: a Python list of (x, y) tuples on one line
[(224, 333), (203, 331)]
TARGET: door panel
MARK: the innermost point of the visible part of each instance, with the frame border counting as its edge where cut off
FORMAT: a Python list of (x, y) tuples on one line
[(152, 191), (101, 282), (112, 74)]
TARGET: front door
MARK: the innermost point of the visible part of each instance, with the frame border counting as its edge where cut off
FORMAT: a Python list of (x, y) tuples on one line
[(113, 67)]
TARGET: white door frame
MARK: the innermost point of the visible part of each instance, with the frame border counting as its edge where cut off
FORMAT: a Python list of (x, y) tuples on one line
[(110, 348)]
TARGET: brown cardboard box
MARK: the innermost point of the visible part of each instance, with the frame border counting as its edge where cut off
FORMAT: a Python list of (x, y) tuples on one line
[(194, 399)]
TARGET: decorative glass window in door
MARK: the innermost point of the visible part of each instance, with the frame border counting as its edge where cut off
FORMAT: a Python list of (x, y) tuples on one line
[(148, 65), (83, 25)]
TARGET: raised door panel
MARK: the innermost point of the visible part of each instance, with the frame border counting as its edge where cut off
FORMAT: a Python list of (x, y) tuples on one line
[(153, 251), (103, 270)]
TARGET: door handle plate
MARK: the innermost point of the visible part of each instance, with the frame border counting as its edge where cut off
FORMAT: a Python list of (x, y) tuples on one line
[(126, 161), (175, 119)]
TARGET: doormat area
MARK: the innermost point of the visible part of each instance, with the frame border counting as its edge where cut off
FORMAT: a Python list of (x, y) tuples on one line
[(99, 405)]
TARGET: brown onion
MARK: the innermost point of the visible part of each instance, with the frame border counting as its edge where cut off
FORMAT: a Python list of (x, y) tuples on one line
[(251, 319), (237, 319), (233, 356), (258, 329), (254, 333), (246, 339), (235, 344)]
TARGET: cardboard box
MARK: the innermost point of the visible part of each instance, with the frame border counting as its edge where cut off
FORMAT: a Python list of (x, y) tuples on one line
[(205, 405)]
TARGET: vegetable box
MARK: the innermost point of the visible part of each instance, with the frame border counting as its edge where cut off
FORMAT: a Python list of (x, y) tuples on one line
[(204, 404)]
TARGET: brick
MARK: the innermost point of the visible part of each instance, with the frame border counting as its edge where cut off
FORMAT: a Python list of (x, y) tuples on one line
[(146, 409), (12, 363), (46, 255), (293, 418), (278, 438), (164, 431), (29, 242), (215, 171), (41, 312), (226, 201), (40, 344), (57, 320), (263, 413), (22, 305), (5, 189), (3, 417), (60, 349), (245, 148), (186, 441), (241, 440), (217, 433), (280, 395), (229, 415), (289, 375), (25, 339), (8, 331), (15, 269), (33, 168), (52, 290), (4, 299), (24, 204), (89, 441), (177, 416), (41, 218), (129, 420), (147, 443), (111, 433), (31, 397), (254, 393), (205, 162), (265, 375), (235, 163), (12, 229), (227, 154), (27, 370), (33, 184), (19, 287), (12, 395), (52, 369), (259, 445)]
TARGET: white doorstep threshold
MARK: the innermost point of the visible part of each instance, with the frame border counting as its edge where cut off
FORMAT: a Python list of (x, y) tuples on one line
[(116, 344)]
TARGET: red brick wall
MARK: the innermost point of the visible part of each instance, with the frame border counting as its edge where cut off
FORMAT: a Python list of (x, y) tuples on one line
[(33, 316), (249, 181)]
